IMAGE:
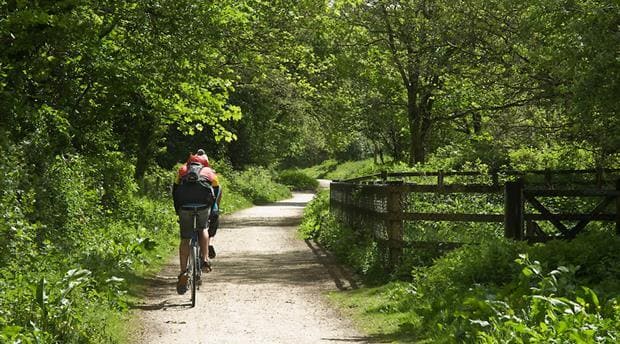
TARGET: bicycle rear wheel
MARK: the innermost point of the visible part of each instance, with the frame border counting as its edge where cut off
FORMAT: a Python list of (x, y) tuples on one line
[(195, 262)]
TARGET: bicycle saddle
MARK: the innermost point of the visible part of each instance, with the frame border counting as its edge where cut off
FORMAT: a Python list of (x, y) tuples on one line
[(195, 206)]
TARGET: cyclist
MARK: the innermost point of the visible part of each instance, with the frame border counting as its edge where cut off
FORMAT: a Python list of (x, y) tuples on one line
[(205, 190)]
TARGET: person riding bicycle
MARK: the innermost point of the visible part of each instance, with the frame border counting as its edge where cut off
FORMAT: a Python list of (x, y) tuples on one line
[(205, 189)]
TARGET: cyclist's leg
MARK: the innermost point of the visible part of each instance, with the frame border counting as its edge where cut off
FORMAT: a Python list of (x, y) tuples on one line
[(183, 254), (214, 220), (203, 238), (183, 276), (204, 243), (185, 229), (214, 223)]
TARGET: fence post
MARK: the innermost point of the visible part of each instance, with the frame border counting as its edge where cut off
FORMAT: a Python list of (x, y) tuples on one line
[(618, 208), (394, 223), (440, 179), (495, 177), (513, 209), (548, 177), (599, 177)]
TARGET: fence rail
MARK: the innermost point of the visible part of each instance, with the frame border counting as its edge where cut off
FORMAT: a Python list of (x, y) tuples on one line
[(382, 208), (599, 174)]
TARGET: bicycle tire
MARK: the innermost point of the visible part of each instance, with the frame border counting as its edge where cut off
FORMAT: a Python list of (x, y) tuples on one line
[(195, 266)]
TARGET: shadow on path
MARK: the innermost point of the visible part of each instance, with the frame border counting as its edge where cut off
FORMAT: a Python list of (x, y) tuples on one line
[(291, 268), (342, 277)]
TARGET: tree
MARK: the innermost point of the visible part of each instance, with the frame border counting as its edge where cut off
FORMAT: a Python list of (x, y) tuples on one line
[(406, 40), (90, 77)]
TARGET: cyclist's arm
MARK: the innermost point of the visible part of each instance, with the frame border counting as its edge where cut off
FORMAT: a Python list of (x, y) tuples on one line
[(217, 191), (175, 198)]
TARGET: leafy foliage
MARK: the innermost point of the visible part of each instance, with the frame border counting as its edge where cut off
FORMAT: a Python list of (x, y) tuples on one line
[(500, 292), (59, 286)]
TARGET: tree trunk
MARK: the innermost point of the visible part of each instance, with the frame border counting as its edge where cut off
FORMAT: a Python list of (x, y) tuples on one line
[(146, 149), (416, 132), (477, 123), (375, 154)]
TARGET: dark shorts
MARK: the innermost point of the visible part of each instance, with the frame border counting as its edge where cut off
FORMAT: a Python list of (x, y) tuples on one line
[(186, 222)]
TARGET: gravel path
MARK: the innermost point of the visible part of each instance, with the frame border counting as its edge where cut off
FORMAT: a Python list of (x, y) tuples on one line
[(267, 287)]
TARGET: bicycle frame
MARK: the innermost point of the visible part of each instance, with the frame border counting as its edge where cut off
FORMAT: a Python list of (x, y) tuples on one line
[(193, 264)]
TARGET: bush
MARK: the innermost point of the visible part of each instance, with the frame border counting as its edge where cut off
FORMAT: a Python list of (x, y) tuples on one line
[(258, 186), (315, 213), (70, 237), (157, 183), (63, 290), (297, 180)]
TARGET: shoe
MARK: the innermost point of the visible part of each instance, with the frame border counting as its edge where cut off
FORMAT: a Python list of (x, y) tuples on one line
[(206, 266), (182, 283), (211, 252)]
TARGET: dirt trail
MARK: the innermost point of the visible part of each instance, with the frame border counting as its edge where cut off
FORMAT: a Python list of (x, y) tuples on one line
[(267, 287)]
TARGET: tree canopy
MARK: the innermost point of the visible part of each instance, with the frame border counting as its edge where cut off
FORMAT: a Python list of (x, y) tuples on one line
[(294, 83)]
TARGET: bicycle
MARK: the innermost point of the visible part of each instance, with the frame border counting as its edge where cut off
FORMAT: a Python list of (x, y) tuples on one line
[(194, 261)]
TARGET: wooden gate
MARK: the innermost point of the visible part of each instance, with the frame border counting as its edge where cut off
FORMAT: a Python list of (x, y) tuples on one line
[(520, 224)]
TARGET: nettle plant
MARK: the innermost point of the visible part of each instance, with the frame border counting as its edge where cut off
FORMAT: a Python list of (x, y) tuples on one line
[(549, 307)]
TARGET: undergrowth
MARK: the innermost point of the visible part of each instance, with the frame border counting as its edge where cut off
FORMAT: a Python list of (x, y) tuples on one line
[(77, 241), (501, 292)]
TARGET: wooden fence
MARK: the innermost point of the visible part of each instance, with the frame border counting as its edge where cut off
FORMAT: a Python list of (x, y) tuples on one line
[(381, 206)]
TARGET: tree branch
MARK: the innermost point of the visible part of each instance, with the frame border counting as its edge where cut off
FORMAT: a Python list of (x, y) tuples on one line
[(392, 45)]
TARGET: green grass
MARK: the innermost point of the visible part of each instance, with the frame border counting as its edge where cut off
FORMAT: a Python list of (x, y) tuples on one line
[(350, 169), (372, 311), (332, 169), (321, 170)]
